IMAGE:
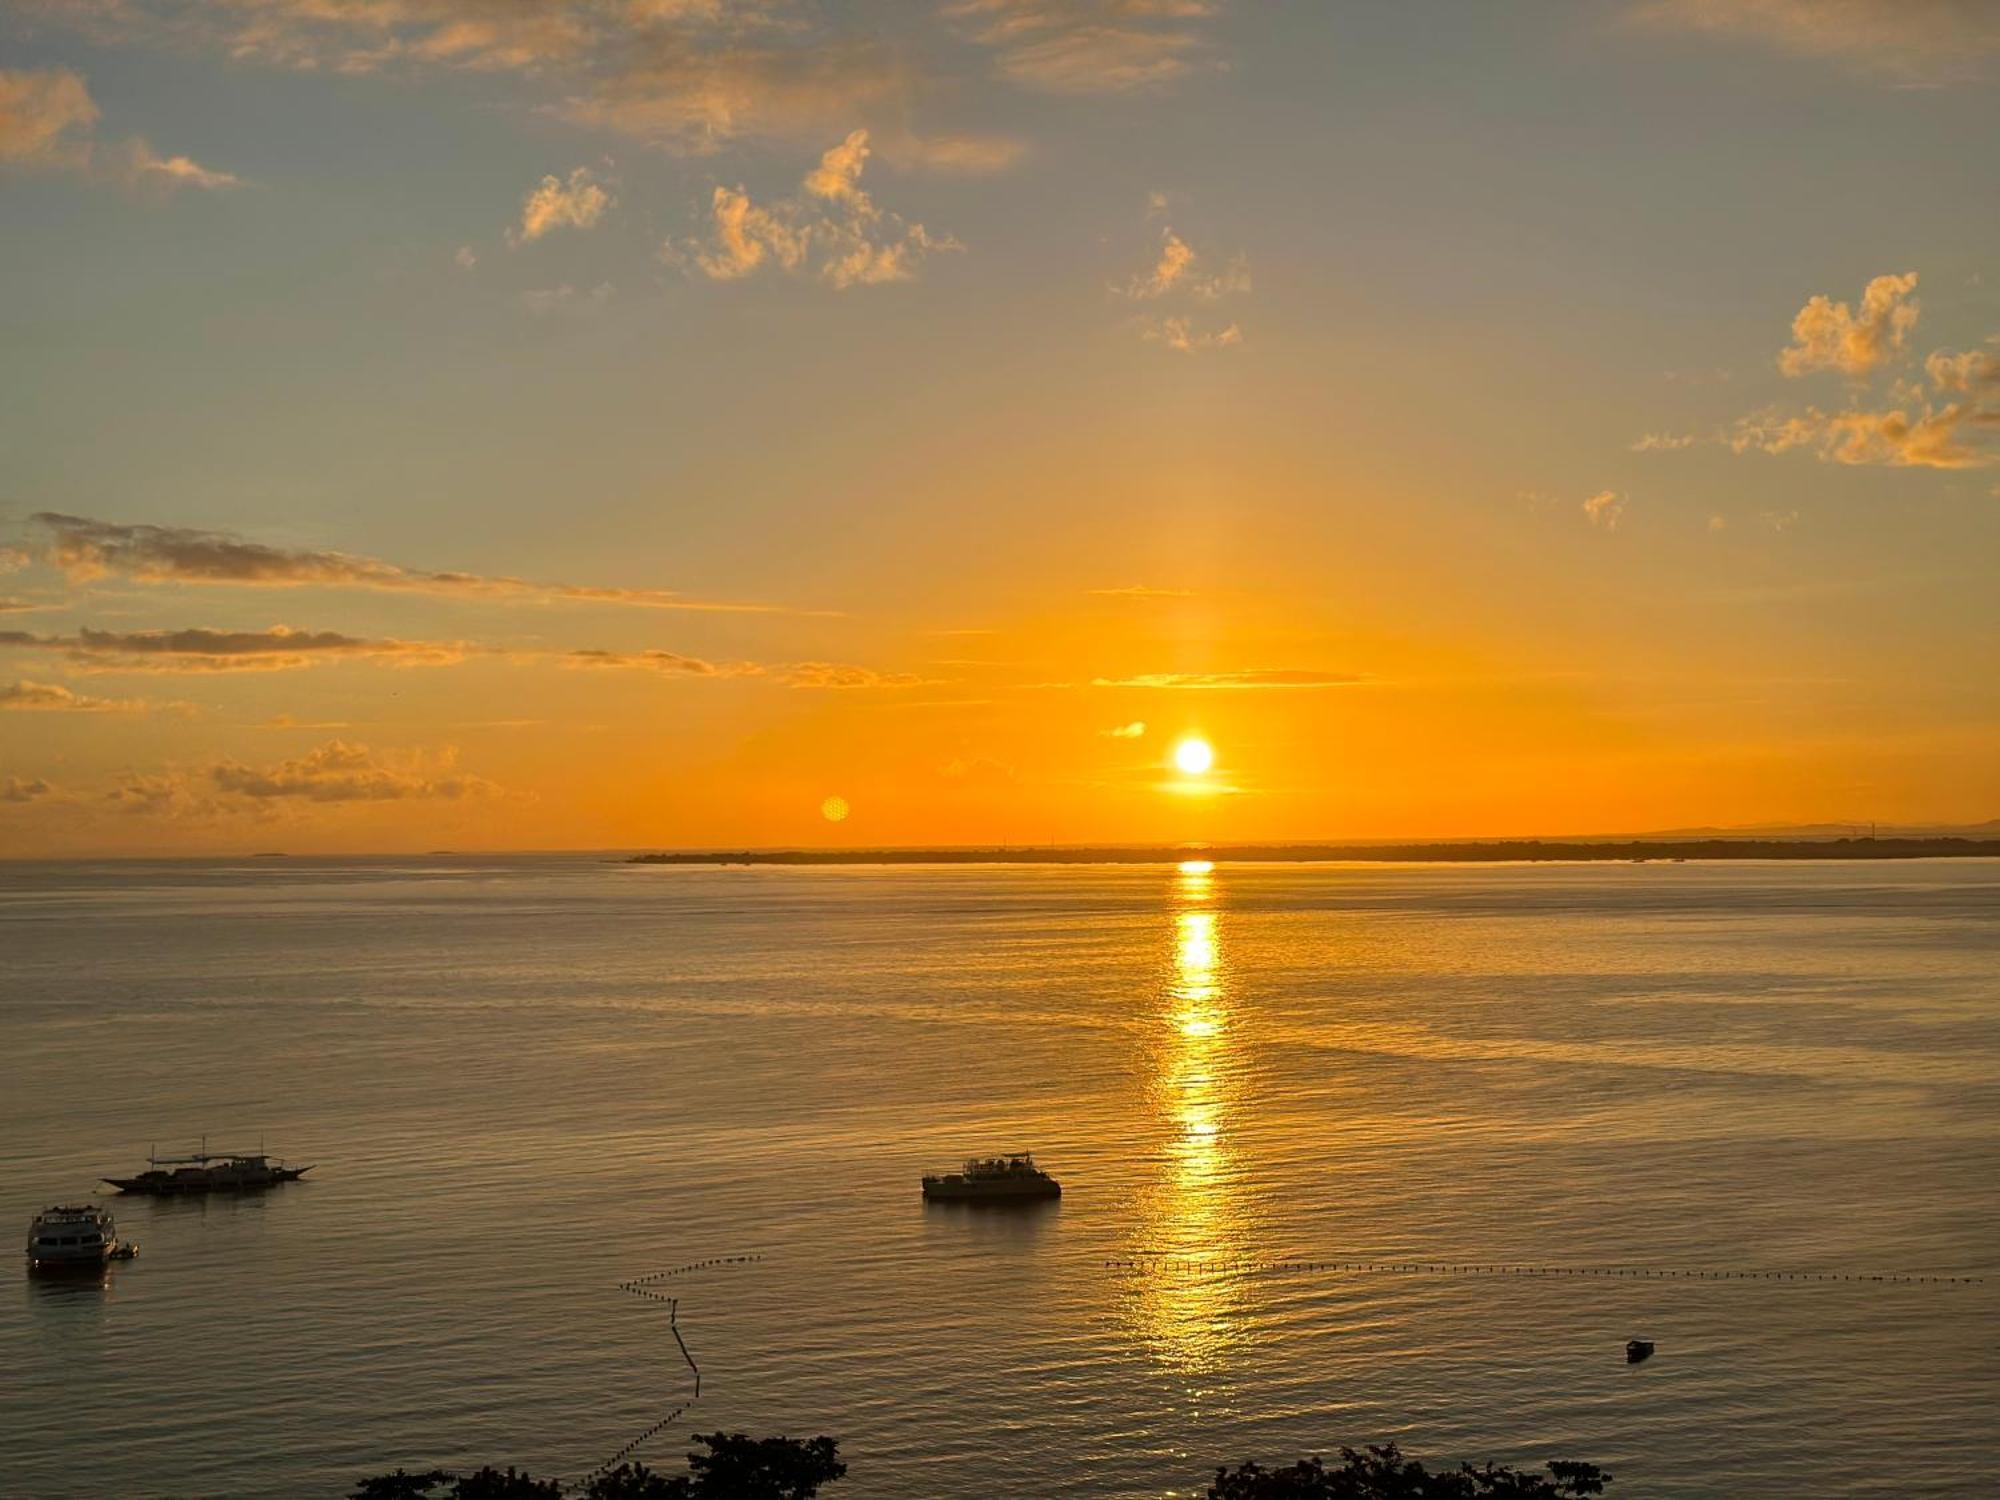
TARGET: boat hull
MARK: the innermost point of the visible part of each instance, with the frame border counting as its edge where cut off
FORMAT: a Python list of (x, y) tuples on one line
[(1025, 1192), (174, 1185)]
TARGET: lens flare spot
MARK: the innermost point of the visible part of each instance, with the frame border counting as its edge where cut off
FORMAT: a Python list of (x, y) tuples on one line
[(834, 809)]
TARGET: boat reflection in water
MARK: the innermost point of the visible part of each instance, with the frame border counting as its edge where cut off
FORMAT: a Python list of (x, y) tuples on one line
[(1195, 1209)]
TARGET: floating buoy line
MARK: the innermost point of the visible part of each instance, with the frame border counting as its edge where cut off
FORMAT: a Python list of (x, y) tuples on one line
[(643, 1286), (1157, 1262)]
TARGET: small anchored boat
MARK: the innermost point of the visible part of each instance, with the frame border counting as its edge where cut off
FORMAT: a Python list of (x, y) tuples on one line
[(993, 1179), (75, 1237), (208, 1171), (1637, 1350)]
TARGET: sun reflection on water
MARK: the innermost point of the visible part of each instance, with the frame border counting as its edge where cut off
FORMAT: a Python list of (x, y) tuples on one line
[(1193, 1209)]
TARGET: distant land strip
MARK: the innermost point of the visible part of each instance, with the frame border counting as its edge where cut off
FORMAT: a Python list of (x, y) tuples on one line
[(1494, 851)]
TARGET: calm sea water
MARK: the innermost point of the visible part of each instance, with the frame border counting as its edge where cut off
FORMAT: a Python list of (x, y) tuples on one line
[(525, 1081)]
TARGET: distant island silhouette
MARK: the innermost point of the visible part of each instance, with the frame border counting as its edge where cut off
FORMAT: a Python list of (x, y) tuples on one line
[(1483, 851)]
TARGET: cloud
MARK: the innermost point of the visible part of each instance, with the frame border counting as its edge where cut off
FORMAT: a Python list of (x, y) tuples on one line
[(1182, 274), (48, 122), (832, 230), (165, 794), (1131, 731), (465, 258), (1907, 41), (1604, 508), (958, 155), (693, 88), (46, 119), (1829, 335), (826, 674), (805, 674), (1090, 46), (336, 772), (278, 649), (1180, 268), (1970, 372), (1898, 426), (15, 789), (566, 298), (554, 204), (1141, 591), (1948, 437), (1254, 678), (979, 771), (342, 772), (670, 662), (1664, 442), (690, 76), (1185, 336), (53, 697), (84, 549)]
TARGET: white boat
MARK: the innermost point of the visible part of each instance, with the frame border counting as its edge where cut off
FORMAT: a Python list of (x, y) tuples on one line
[(80, 1236)]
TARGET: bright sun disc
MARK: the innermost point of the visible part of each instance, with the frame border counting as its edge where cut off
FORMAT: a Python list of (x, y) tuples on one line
[(1194, 756)]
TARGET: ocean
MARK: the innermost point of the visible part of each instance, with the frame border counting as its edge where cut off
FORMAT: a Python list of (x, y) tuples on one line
[(1350, 1154)]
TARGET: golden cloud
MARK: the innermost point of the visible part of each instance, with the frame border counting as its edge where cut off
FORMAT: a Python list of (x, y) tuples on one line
[(833, 230), (48, 121)]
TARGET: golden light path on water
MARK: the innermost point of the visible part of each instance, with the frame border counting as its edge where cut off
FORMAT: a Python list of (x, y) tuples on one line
[(1193, 1206)]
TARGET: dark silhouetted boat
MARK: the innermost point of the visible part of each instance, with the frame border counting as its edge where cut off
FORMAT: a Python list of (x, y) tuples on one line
[(209, 1172), (993, 1179), (1638, 1349)]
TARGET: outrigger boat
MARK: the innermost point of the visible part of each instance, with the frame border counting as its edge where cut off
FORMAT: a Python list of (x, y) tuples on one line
[(209, 1172), (993, 1179)]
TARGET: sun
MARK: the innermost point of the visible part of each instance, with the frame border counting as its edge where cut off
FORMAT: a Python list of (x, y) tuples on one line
[(1194, 756)]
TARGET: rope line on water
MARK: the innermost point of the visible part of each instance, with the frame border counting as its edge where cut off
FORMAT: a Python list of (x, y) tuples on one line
[(1154, 1262), (642, 1286)]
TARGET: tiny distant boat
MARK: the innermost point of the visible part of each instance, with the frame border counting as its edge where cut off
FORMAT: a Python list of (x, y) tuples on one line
[(1637, 1350), (993, 1179), (209, 1172), (79, 1237)]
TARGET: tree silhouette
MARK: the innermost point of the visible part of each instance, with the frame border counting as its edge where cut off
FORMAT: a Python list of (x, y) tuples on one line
[(1384, 1474), (735, 1467)]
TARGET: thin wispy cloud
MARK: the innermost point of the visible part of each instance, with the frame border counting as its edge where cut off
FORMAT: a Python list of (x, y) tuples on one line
[(84, 549), (1091, 46), (1184, 335), (806, 674), (1252, 679), (546, 302), (688, 76), (1958, 435), (1922, 42), (52, 697), (48, 122), (278, 649)]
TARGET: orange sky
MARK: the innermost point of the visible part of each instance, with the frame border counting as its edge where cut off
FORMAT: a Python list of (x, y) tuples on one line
[(426, 426)]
